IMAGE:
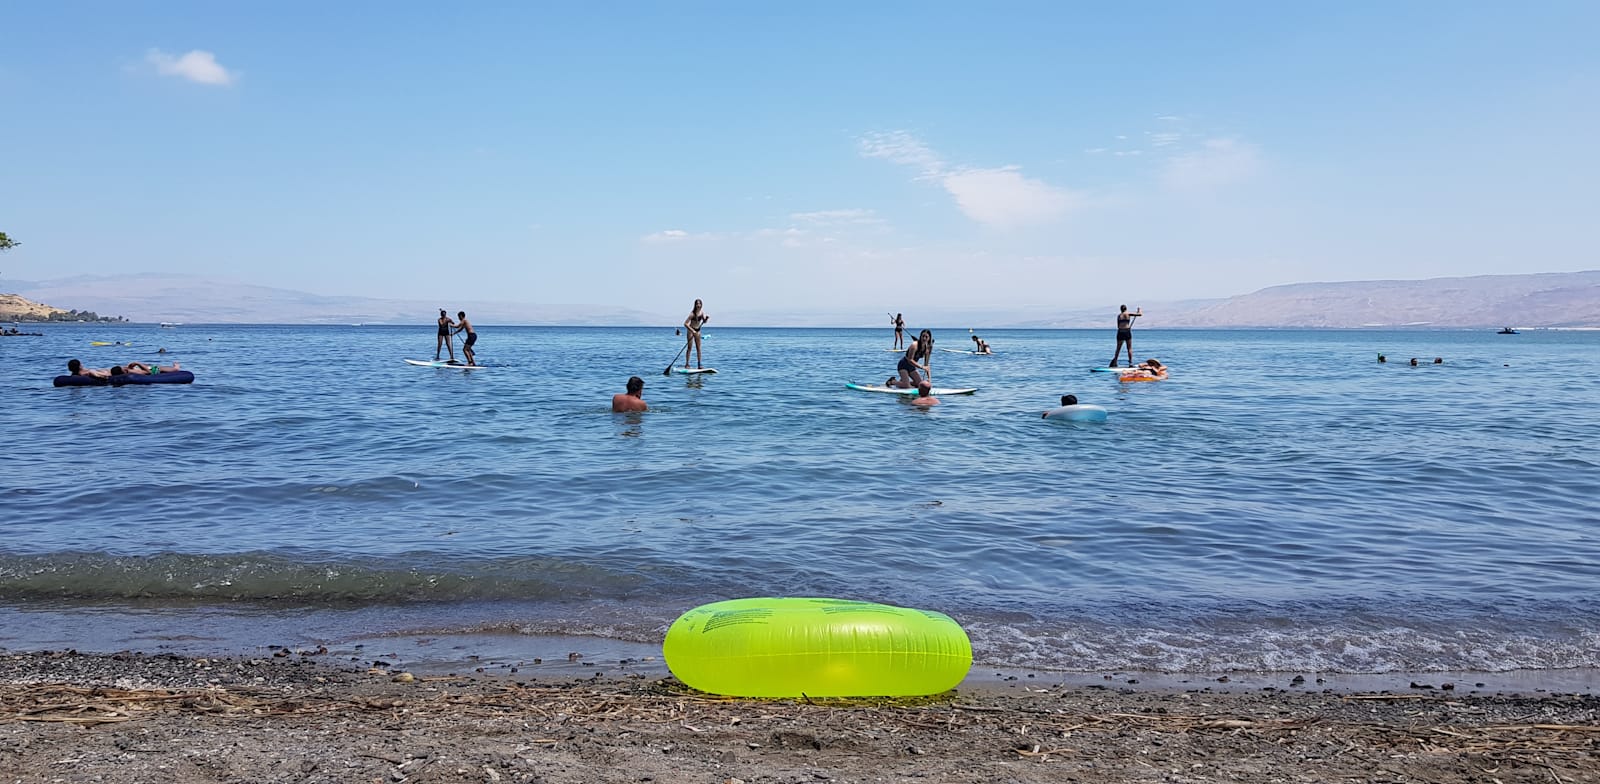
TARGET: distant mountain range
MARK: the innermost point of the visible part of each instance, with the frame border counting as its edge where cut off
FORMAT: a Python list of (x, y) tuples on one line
[(1559, 299), (200, 300)]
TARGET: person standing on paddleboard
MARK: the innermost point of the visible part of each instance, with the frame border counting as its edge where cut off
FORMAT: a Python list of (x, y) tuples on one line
[(691, 327), (899, 323), (1125, 333), (444, 336), (463, 325)]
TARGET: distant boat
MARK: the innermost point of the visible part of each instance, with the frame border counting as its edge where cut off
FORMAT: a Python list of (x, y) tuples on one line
[(1506, 331), (168, 325)]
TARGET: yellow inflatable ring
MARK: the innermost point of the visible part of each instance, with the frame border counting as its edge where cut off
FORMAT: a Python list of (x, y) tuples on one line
[(816, 647)]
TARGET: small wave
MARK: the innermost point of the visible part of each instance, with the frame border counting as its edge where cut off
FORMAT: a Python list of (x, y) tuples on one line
[(94, 577)]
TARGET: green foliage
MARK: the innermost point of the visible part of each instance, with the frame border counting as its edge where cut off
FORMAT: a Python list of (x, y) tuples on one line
[(72, 315), (6, 243)]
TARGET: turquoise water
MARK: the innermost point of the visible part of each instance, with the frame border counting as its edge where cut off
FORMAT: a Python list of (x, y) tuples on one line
[(1282, 502)]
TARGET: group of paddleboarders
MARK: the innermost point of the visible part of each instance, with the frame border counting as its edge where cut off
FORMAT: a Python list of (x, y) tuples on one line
[(447, 328)]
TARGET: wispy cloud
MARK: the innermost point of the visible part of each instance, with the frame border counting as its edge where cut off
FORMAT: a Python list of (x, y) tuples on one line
[(1218, 162), (196, 66), (903, 148), (836, 217), (998, 197), (676, 235)]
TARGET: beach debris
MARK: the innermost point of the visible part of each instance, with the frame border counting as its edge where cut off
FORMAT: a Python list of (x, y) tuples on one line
[(403, 677)]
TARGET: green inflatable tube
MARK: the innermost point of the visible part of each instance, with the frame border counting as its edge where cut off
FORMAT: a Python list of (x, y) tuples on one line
[(816, 647)]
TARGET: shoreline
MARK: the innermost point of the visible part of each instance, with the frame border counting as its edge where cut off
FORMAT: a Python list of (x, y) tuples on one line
[(127, 717), (515, 656)]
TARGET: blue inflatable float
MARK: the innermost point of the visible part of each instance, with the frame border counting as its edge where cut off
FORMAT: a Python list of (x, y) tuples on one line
[(171, 377)]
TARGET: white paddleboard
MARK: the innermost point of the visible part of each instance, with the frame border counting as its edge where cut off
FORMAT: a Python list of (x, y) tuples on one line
[(1119, 369), (693, 371), (970, 353), (438, 364), (910, 392)]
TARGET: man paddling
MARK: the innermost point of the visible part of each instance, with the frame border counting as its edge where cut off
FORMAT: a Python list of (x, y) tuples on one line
[(463, 325), (633, 399)]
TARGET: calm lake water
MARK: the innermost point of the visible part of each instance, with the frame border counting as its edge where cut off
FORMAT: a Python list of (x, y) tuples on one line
[(1282, 502)]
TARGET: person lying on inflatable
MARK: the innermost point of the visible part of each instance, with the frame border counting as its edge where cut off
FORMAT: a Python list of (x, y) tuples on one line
[(141, 369), (1149, 370)]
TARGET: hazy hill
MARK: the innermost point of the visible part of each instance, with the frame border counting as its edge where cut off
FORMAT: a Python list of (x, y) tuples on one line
[(1560, 299), (195, 299), (1563, 299)]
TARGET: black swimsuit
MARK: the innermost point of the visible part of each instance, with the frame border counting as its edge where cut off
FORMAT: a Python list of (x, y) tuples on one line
[(444, 330)]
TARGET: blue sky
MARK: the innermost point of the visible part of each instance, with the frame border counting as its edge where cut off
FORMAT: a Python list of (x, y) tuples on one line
[(881, 156)]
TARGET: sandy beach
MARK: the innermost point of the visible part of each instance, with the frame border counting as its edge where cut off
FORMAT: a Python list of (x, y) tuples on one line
[(68, 717)]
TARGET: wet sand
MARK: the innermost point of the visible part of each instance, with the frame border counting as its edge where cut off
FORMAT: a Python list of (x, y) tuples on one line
[(301, 716)]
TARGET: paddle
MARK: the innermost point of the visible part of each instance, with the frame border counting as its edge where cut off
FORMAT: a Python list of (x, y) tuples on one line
[(674, 361)]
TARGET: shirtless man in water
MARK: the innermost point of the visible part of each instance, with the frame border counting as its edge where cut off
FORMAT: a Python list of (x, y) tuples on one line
[(633, 399), (925, 395)]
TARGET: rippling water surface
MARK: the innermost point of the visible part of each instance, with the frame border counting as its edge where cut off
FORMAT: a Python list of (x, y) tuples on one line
[(1282, 502)]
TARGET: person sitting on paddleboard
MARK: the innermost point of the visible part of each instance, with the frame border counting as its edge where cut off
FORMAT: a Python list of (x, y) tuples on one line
[(691, 325), (925, 395), (633, 399), (908, 366), (983, 346), (444, 336), (463, 325)]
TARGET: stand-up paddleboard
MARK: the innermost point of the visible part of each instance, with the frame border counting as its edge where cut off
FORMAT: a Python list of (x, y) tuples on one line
[(1117, 369), (1082, 412), (109, 343), (895, 350), (909, 392), (693, 371), (969, 353), (438, 364)]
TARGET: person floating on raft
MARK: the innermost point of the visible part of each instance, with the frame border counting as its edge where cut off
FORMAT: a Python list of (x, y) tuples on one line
[(1148, 370)]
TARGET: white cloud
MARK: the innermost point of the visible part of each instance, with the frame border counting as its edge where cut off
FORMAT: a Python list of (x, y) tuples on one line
[(1218, 162), (835, 217), (903, 148), (1005, 199), (676, 235), (196, 66), (1000, 197)]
